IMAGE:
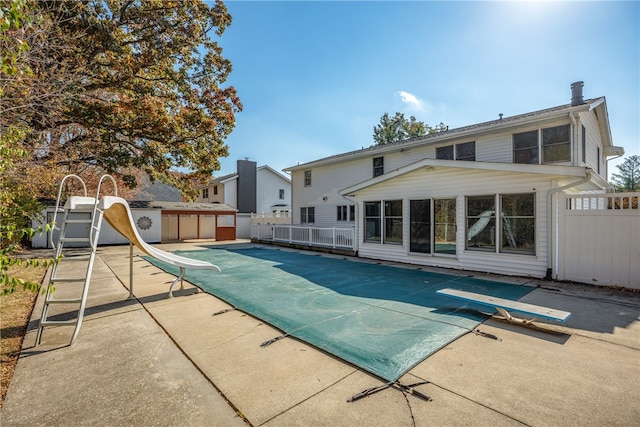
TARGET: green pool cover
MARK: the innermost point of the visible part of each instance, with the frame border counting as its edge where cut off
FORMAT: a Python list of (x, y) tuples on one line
[(380, 318)]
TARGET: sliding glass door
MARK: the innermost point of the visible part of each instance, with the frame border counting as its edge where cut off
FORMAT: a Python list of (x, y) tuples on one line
[(433, 226)]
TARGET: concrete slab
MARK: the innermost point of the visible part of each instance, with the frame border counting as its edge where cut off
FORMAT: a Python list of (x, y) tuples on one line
[(154, 360)]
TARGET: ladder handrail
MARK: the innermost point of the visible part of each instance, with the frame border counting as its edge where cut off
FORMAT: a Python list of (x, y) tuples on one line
[(95, 209), (57, 209)]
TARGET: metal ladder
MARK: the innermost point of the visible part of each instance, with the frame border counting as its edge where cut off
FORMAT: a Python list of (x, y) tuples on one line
[(75, 206)]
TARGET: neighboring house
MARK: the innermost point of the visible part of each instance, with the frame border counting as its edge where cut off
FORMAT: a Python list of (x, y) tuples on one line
[(252, 189), (483, 197)]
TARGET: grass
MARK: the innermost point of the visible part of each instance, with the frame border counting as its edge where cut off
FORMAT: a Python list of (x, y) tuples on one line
[(16, 311)]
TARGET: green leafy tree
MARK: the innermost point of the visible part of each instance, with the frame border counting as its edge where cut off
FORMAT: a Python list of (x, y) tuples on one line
[(123, 86), (17, 205), (628, 178), (398, 128)]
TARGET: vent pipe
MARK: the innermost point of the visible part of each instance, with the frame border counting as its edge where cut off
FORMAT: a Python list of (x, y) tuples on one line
[(576, 94)]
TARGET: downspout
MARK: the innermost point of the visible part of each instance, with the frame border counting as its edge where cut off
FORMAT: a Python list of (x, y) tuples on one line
[(551, 254)]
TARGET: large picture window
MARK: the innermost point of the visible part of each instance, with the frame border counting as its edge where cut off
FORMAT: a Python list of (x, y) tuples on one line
[(372, 222), (393, 221), (508, 229)]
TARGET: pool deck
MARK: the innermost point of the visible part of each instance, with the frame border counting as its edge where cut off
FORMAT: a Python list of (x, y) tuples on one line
[(171, 362)]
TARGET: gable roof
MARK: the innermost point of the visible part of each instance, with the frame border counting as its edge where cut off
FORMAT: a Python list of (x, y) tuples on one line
[(504, 123), (275, 172), (566, 171)]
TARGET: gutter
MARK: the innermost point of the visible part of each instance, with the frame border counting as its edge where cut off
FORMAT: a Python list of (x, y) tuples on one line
[(551, 255)]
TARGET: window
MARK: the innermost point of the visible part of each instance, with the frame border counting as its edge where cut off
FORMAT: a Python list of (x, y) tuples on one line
[(378, 166), (444, 153), (556, 145), (465, 151), (281, 191), (307, 178), (352, 212), (518, 223), (481, 223), (205, 193), (525, 147), (598, 160), (215, 190), (393, 221), (307, 215), (433, 226), (372, 218), (444, 226), (342, 213), (584, 144), (511, 230), (420, 226)]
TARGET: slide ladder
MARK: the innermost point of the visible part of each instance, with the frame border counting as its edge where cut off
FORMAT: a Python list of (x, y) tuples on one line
[(75, 264)]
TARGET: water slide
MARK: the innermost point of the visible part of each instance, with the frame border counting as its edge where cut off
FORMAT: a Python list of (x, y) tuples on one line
[(118, 214)]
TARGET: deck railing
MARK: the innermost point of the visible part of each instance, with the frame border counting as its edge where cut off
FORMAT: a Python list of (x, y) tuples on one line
[(333, 237)]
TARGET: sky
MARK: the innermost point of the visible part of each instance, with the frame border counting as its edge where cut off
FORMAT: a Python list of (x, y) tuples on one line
[(316, 77)]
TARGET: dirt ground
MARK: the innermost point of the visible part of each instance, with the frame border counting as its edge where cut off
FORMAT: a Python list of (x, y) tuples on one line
[(15, 312)]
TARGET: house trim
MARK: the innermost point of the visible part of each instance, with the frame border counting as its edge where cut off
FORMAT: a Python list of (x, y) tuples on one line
[(566, 171)]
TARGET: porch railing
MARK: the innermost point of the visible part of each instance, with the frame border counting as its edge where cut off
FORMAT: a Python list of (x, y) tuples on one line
[(332, 237)]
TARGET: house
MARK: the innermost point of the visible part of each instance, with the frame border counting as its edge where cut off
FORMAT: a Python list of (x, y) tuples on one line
[(251, 189), (486, 197)]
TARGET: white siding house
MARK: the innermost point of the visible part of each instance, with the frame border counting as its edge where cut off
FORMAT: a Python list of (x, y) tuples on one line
[(483, 197), (273, 191)]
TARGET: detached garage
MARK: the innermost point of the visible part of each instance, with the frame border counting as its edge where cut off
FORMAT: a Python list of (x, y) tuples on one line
[(182, 221)]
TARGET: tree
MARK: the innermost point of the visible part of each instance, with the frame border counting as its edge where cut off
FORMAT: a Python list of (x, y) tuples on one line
[(398, 128), (120, 87), (17, 204), (629, 177)]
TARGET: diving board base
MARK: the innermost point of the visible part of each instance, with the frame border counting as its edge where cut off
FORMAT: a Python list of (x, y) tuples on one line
[(503, 306)]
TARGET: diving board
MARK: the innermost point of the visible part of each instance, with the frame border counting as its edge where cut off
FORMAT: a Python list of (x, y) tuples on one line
[(502, 305)]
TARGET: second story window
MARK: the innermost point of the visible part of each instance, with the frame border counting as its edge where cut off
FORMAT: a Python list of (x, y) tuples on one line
[(444, 153), (556, 144), (550, 145), (378, 166), (205, 193), (281, 194), (215, 190), (307, 178), (464, 151), (525, 147)]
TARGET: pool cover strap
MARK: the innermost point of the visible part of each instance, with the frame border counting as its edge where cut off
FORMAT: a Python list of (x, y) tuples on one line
[(409, 389)]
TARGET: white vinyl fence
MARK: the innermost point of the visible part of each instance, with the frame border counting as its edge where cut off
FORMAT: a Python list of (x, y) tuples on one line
[(599, 239), (333, 237)]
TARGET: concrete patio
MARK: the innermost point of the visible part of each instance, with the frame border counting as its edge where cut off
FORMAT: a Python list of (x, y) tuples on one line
[(159, 361)]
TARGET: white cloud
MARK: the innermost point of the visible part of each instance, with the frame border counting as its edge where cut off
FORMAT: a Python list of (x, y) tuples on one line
[(411, 99)]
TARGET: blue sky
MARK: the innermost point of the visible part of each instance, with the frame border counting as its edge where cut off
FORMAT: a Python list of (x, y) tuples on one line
[(315, 77)]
